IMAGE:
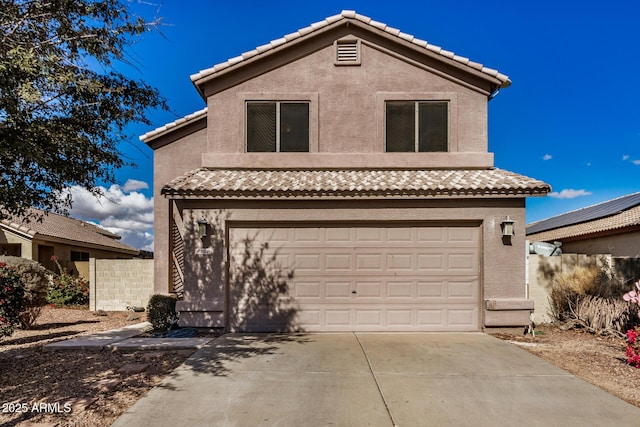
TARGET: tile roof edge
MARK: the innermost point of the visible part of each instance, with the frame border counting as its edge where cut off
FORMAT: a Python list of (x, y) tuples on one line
[(353, 15), (18, 228), (582, 209), (173, 125)]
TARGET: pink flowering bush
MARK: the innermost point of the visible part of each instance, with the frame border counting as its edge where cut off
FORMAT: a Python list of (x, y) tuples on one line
[(633, 343), (11, 298), (633, 347), (66, 289)]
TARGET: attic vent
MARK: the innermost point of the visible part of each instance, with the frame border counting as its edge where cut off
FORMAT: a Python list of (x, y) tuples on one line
[(347, 52)]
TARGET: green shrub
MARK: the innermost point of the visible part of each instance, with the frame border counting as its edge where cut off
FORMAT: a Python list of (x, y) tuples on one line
[(161, 311), (35, 279), (66, 289), (11, 297)]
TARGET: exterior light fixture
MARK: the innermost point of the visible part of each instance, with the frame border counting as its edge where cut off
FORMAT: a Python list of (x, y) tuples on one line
[(507, 227), (202, 227)]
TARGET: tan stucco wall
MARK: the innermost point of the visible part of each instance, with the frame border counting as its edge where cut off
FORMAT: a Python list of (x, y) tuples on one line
[(627, 244), (63, 251), (502, 266), (347, 112), (25, 244), (169, 162)]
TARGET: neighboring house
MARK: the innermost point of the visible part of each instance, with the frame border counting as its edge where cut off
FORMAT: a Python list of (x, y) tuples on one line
[(340, 180), (68, 239), (611, 227)]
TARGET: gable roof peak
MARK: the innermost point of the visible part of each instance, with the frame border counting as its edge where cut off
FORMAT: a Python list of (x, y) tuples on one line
[(202, 76)]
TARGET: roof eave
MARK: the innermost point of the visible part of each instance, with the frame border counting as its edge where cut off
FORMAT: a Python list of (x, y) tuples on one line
[(347, 18)]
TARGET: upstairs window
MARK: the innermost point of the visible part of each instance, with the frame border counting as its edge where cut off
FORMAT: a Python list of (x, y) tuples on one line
[(416, 126), (277, 127)]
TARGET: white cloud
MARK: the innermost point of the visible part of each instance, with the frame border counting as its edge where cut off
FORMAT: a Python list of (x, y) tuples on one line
[(636, 162), (547, 157), (569, 193), (120, 210), (625, 157), (134, 185)]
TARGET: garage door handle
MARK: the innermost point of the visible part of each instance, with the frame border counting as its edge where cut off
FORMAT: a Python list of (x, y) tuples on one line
[(354, 292)]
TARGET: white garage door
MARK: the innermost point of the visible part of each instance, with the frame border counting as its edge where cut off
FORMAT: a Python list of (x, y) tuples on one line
[(356, 279)]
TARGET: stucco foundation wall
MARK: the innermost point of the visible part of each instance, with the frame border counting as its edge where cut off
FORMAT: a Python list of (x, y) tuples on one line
[(502, 266), (118, 284)]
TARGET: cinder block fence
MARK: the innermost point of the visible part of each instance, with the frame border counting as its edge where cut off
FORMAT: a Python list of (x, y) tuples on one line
[(116, 284)]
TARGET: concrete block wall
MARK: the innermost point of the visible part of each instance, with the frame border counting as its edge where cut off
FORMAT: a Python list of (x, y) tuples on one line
[(116, 284), (542, 272)]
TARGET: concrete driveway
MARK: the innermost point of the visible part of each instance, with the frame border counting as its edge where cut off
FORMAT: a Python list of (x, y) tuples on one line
[(373, 379)]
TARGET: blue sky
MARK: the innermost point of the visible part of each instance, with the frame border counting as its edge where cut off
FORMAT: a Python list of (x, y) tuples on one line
[(570, 118)]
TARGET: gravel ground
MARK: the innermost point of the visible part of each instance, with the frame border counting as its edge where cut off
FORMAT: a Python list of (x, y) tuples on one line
[(71, 388)]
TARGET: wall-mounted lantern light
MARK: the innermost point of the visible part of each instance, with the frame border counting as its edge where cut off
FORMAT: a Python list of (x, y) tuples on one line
[(507, 227), (202, 227)]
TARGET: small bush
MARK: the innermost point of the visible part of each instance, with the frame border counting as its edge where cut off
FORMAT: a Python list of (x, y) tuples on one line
[(589, 297), (66, 289), (35, 279), (11, 297), (161, 311)]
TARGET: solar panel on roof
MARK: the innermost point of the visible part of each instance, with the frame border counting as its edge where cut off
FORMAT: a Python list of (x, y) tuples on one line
[(589, 213)]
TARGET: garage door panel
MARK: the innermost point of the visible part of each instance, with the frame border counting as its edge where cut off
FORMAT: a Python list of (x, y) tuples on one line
[(461, 263), (340, 318), (400, 262), (431, 290), (306, 235), (431, 235), (336, 290), (369, 235), (400, 290), (308, 290), (463, 290), (338, 263), (429, 263), (368, 279), (307, 263)]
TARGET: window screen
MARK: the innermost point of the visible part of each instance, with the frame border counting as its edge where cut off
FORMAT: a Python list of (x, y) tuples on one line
[(277, 126), (416, 126), (294, 127), (261, 127)]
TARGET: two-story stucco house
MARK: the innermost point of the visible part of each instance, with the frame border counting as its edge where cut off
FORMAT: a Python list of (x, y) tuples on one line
[(339, 179)]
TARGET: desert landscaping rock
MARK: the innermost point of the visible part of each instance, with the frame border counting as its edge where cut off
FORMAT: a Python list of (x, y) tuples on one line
[(133, 368)]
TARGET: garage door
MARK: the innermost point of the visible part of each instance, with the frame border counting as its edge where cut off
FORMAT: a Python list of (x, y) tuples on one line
[(355, 278)]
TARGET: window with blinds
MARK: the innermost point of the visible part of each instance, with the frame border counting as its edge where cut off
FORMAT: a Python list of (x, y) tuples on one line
[(416, 126), (277, 126)]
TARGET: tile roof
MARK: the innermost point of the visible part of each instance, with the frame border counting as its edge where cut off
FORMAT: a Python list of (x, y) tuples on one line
[(67, 228), (351, 15), (614, 214), (175, 124), (357, 183)]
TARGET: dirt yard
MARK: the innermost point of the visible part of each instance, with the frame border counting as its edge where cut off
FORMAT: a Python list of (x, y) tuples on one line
[(596, 359), (87, 389), (74, 388)]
